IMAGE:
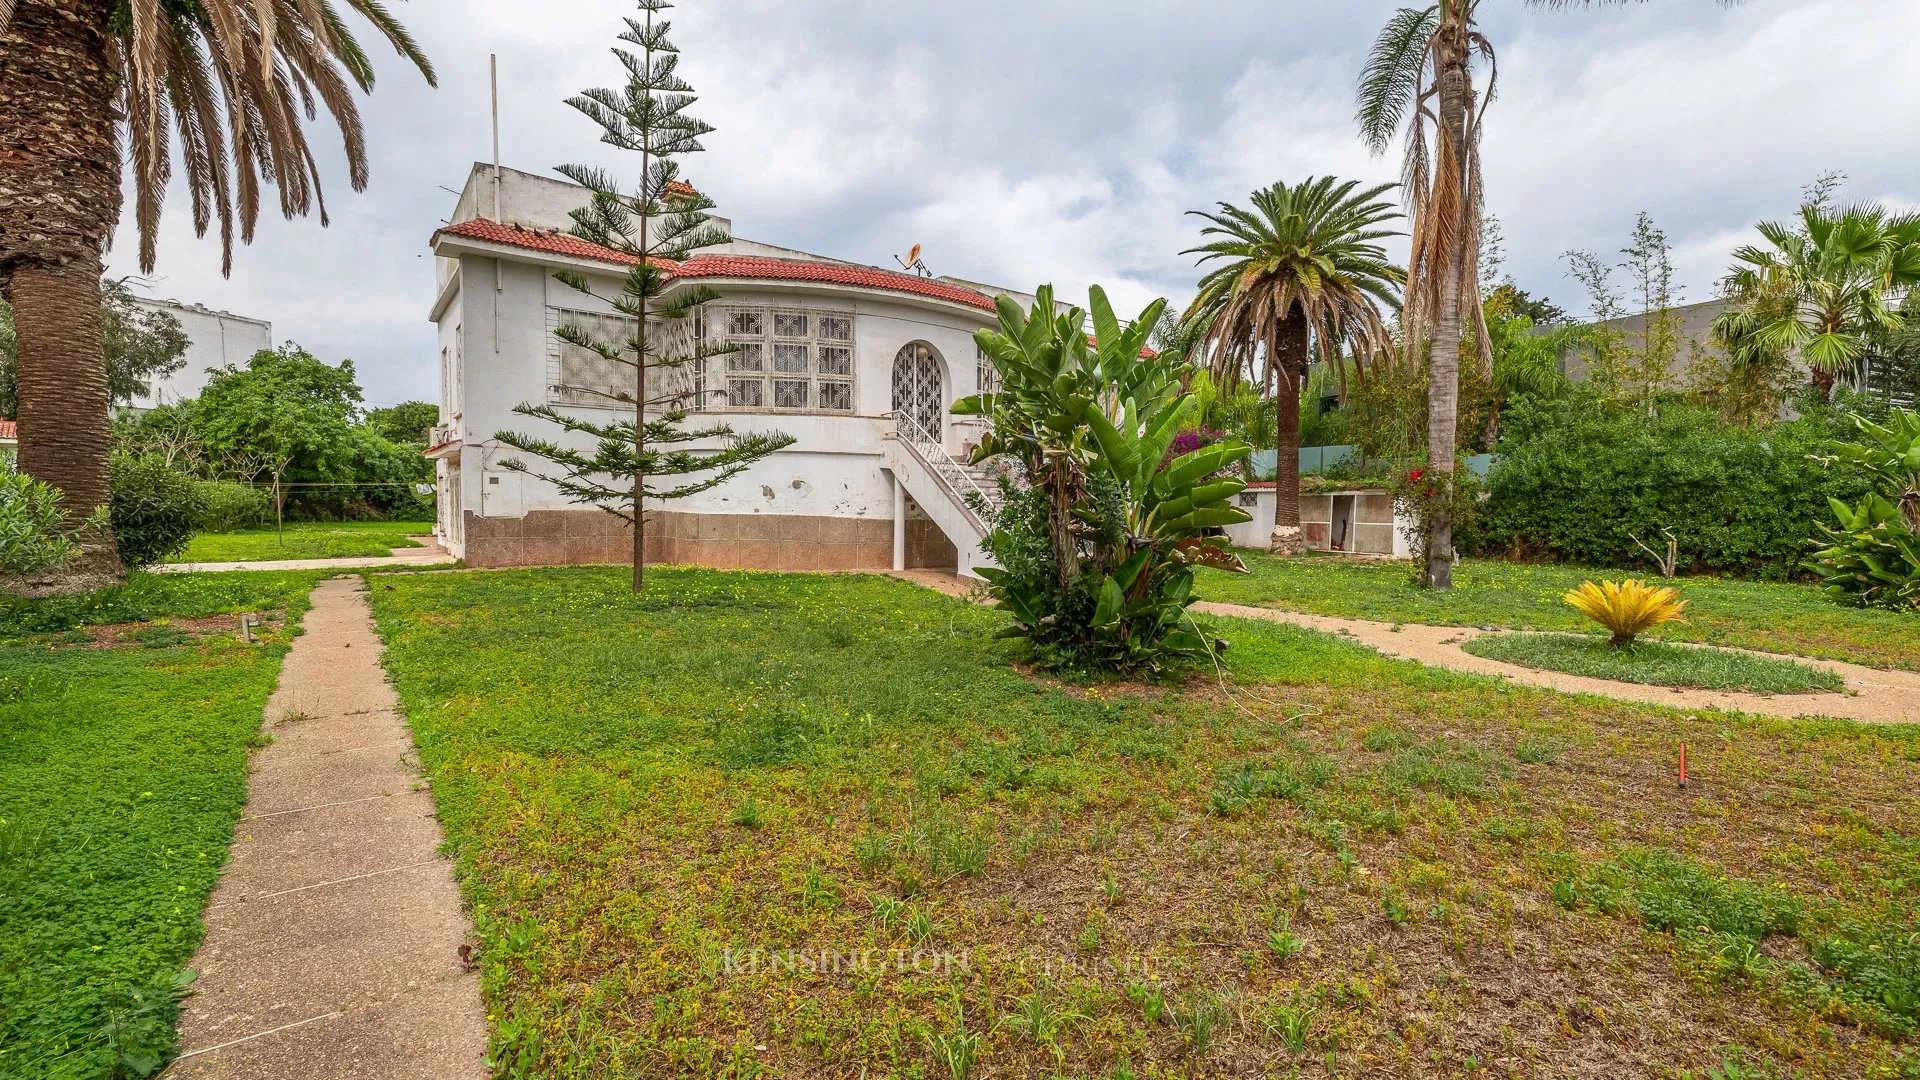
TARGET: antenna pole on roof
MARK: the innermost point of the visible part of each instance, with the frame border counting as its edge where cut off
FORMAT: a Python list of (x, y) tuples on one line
[(493, 76)]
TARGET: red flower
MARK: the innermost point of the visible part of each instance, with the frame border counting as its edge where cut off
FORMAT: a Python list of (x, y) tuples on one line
[(1416, 474)]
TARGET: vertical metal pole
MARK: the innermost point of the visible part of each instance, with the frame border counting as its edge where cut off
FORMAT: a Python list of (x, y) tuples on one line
[(493, 76)]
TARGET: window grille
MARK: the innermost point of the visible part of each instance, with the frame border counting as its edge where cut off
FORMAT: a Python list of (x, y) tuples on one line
[(988, 376), (580, 376), (784, 358)]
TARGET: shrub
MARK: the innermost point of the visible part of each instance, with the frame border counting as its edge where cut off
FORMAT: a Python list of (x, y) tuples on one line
[(1872, 557), (230, 507), (33, 537), (1577, 480), (155, 510), (1097, 553), (1627, 608)]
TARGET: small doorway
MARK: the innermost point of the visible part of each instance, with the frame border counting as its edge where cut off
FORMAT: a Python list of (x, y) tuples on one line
[(919, 399)]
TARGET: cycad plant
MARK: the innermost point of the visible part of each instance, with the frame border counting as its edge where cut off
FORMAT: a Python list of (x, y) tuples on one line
[(1627, 608), (1098, 544)]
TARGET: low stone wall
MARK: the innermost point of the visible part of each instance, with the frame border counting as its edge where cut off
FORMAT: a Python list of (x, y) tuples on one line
[(723, 541)]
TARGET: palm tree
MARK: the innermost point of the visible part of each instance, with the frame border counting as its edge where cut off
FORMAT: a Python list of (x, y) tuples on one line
[(1819, 289), (1303, 273), (232, 80), (1420, 74)]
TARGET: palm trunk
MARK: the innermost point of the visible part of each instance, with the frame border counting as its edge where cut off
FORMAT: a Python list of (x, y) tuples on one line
[(59, 200), (1443, 363), (1290, 362)]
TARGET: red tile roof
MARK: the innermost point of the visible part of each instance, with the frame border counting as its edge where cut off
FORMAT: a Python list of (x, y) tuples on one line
[(755, 267), (8, 430)]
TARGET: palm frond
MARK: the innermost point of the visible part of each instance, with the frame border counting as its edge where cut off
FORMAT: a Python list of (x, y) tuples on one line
[(1390, 79)]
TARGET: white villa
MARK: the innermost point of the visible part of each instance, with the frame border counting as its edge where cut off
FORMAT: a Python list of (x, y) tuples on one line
[(860, 364)]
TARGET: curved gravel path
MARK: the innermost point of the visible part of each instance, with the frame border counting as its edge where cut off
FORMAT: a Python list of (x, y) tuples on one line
[(1873, 696)]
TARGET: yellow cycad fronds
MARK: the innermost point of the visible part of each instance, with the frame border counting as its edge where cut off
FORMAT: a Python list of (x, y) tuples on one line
[(1627, 608)]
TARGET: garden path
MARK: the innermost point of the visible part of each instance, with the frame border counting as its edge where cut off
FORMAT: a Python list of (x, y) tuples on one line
[(335, 941), (1873, 696), (429, 553)]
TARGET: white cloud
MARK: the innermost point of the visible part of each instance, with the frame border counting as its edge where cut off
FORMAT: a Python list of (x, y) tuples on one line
[(1064, 141)]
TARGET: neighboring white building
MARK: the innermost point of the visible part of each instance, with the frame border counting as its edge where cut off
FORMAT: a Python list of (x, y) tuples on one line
[(215, 339), (860, 364)]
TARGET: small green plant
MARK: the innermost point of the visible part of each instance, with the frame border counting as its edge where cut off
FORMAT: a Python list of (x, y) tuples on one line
[(748, 815), (956, 1051), (1291, 1024), (888, 912), (1284, 943), (1394, 906), (1198, 1017), (1044, 1022), (1151, 999)]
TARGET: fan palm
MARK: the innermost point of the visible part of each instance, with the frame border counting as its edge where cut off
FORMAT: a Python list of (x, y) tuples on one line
[(1819, 287), (1420, 74), (231, 80), (1303, 270)]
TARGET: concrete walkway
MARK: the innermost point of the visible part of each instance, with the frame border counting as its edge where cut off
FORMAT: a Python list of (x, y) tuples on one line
[(333, 947), (429, 553), (1873, 696)]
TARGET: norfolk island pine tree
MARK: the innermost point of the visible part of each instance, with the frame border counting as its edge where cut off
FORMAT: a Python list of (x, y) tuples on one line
[(657, 225)]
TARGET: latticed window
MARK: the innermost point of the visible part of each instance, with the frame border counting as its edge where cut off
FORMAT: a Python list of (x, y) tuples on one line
[(581, 376), (988, 375), (784, 358)]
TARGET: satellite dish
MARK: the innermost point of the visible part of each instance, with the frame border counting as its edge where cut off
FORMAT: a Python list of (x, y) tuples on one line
[(912, 262)]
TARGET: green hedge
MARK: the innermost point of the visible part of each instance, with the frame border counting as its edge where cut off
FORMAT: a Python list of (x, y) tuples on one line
[(1575, 481), (231, 507)]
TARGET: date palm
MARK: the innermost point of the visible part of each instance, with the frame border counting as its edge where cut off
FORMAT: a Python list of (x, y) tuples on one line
[(229, 81), (1818, 289), (1301, 272)]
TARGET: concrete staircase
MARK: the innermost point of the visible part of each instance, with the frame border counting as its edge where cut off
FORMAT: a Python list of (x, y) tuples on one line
[(944, 489)]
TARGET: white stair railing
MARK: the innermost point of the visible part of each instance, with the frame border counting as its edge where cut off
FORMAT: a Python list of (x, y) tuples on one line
[(951, 475)]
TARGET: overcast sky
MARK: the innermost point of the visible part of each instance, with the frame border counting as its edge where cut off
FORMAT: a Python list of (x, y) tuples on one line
[(1027, 141)]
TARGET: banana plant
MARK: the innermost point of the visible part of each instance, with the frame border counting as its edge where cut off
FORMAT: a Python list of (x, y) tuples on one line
[(1890, 453), (1091, 421), (1870, 557)]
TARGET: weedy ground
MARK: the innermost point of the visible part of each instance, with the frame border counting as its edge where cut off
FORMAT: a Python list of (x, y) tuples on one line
[(808, 826), (1656, 663), (305, 540), (1782, 617), (125, 721)]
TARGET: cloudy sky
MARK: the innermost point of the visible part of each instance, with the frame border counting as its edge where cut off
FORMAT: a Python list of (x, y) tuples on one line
[(1024, 141)]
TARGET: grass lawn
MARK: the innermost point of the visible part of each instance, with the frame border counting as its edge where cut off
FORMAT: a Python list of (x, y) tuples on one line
[(1655, 663), (122, 770), (772, 825), (1767, 616), (305, 540)]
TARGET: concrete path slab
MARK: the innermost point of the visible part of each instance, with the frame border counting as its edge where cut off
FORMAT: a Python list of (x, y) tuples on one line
[(333, 939)]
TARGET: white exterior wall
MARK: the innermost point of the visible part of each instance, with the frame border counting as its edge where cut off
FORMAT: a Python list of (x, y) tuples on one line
[(215, 339), (500, 344)]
